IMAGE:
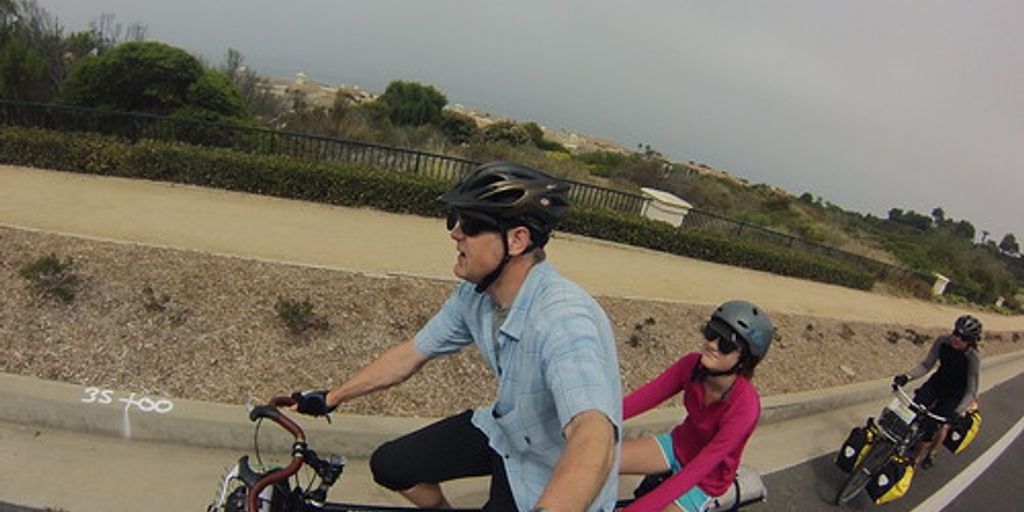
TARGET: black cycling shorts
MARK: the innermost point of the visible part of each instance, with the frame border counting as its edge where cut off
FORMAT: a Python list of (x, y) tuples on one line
[(446, 450), (938, 400)]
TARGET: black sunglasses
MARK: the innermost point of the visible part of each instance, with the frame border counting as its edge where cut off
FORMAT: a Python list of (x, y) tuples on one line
[(968, 338), (472, 224), (728, 341)]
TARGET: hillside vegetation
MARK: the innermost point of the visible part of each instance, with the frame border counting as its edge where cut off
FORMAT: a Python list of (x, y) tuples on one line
[(107, 66)]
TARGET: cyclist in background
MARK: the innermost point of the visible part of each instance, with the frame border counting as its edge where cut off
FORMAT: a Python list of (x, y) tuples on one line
[(951, 390), (549, 439), (722, 408)]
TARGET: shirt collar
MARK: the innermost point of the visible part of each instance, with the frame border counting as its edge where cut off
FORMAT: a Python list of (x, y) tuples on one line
[(516, 321)]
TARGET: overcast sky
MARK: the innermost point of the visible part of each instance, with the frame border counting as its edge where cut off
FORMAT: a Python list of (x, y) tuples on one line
[(869, 104)]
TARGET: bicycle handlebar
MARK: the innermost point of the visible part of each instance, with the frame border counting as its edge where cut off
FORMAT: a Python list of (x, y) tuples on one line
[(916, 407), (272, 412)]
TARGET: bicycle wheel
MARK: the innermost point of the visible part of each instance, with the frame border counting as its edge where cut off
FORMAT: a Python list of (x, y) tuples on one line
[(861, 474)]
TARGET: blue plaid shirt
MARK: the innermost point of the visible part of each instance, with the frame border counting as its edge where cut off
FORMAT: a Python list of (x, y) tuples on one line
[(554, 357)]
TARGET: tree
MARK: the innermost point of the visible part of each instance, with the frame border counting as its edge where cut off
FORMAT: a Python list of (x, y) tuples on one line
[(35, 56), (964, 229), (1009, 244), (910, 218), (30, 51), (151, 77), (215, 96), (107, 32), (254, 89), (536, 133), (411, 103), (458, 128), (506, 132), (24, 72), (537, 137), (939, 215)]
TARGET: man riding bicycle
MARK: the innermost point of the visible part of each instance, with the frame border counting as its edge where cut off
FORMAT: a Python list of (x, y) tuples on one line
[(951, 390), (549, 440)]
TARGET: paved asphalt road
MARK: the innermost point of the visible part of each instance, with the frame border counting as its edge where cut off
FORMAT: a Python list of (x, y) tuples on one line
[(809, 486), (812, 486)]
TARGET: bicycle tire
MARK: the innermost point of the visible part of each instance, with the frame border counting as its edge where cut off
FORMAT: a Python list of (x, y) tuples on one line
[(859, 477)]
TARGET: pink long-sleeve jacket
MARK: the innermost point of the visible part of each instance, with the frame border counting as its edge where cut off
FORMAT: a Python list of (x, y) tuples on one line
[(709, 441)]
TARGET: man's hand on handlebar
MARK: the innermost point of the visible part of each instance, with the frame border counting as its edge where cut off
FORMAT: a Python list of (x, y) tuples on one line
[(313, 402)]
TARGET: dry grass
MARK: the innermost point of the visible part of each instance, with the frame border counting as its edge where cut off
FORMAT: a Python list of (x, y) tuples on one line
[(207, 329)]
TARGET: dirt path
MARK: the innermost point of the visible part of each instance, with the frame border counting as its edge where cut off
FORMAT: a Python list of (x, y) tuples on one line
[(371, 241)]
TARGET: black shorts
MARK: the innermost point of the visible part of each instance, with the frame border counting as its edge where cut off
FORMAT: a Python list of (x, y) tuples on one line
[(446, 450), (938, 400)]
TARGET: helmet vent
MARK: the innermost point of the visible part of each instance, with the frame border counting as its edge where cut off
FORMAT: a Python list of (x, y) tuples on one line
[(506, 197), (742, 324)]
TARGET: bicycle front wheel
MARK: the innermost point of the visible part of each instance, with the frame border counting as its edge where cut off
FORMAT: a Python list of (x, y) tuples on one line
[(861, 475)]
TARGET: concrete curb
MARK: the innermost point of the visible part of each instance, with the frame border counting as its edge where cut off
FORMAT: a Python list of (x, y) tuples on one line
[(132, 416)]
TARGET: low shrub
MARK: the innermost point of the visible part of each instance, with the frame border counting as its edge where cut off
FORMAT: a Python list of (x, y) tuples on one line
[(153, 301), (298, 317), (51, 277)]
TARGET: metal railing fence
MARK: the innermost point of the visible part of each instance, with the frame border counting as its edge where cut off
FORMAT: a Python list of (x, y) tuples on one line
[(136, 126)]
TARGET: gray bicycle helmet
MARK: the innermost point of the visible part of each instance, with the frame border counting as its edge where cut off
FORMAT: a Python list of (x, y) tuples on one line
[(514, 195), (968, 328), (750, 322)]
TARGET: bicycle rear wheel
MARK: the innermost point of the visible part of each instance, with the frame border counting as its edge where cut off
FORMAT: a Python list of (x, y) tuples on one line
[(861, 475)]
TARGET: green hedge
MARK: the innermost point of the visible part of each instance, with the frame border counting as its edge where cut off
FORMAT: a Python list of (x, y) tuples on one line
[(714, 246), (341, 184), (355, 185)]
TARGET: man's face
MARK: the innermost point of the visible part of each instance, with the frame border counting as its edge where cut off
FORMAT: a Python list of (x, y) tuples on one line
[(478, 254)]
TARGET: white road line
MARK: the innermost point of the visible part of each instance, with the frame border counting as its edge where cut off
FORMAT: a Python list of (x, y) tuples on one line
[(955, 486)]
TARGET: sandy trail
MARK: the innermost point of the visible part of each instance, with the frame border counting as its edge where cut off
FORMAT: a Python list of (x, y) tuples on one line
[(371, 241)]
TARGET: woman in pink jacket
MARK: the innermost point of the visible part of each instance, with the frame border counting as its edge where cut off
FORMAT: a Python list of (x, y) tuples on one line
[(722, 408)]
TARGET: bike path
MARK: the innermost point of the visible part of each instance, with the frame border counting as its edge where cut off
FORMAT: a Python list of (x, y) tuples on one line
[(371, 241), (813, 485)]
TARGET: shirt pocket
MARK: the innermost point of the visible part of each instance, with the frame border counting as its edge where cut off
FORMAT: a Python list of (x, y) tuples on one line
[(527, 435)]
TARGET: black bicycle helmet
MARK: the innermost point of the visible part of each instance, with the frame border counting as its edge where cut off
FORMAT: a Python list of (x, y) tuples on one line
[(750, 322), (968, 328), (514, 195)]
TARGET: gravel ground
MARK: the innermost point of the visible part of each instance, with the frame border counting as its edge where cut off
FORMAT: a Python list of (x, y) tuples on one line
[(209, 331)]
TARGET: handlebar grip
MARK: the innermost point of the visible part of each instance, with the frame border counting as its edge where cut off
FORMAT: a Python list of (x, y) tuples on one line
[(264, 411), (272, 413)]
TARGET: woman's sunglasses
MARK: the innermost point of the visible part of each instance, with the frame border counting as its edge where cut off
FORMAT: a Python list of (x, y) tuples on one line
[(968, 338), (727, 339), (472, 224)]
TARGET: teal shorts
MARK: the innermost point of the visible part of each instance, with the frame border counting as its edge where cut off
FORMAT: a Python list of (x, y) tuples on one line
[(695, 500)]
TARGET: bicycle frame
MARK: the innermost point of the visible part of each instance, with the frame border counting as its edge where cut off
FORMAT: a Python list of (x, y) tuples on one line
[(269, 491)]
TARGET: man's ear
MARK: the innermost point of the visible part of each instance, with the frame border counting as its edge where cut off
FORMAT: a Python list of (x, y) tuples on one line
[(518, 240)]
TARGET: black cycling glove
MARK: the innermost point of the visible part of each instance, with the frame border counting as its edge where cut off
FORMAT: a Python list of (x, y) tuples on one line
[(900, 380), (313, 403)]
